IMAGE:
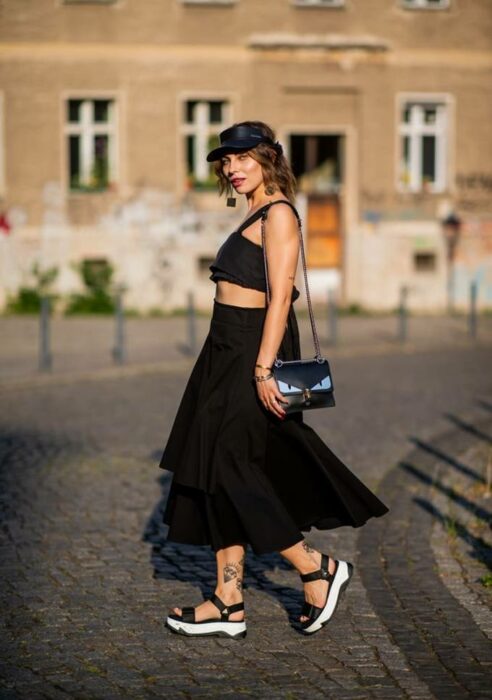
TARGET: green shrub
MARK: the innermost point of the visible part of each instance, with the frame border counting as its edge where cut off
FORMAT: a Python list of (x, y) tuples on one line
[(89, 304), (26, 301), (97, 298), (353, 309), (28, 298)]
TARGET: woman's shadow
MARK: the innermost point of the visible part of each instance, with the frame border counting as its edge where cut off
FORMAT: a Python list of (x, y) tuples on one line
[(196, 565)]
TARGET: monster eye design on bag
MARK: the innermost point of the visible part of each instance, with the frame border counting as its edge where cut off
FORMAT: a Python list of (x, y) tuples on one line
[(306, 383)]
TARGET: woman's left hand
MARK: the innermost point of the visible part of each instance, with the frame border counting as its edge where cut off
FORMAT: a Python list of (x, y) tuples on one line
[(271, 397)]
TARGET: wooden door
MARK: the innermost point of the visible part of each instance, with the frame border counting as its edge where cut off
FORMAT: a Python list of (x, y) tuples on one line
[(324, 247)]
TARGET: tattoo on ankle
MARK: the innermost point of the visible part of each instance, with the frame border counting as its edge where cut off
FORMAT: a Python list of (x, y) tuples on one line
[(233, 570), (230, 572), (307, 547)]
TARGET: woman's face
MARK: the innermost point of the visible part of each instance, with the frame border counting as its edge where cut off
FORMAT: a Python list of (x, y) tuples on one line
[(243, 172)]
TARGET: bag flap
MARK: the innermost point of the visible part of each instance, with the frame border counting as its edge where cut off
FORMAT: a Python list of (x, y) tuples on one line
[(299, 375)]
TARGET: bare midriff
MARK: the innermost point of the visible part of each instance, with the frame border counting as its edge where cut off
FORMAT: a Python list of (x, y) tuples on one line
[(234, 294)]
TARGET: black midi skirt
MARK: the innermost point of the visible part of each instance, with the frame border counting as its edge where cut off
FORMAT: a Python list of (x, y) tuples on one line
[(240, 474)]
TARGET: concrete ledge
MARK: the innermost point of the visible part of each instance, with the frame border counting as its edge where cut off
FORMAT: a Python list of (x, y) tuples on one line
[(333, 42)]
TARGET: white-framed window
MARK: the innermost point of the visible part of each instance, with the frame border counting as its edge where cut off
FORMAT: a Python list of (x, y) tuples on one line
[(423, 144), (90, 131), (203, 120), (318, 3), (425, 4)]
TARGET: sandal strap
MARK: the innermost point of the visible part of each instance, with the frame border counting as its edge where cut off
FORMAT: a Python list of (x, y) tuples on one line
[(321, 573), (218, 603), (325, 560), (188, 614), (225, 610), (310, 611), (236, 607), (315, 575), (306, 609)]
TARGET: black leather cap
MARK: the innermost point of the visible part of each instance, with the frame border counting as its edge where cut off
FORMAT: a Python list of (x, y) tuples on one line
[(238, 138)]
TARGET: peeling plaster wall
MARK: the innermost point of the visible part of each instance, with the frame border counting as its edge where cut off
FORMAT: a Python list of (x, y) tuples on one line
[(156, 248), (382, 260), (154, 245)]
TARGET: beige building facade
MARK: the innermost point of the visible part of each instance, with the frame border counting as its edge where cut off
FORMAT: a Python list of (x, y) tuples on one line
[(107, 110)]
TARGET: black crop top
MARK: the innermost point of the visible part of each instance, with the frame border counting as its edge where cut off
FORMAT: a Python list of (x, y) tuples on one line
[(240, 261)]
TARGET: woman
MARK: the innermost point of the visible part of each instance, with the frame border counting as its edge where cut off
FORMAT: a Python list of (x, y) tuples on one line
[(244, 471)]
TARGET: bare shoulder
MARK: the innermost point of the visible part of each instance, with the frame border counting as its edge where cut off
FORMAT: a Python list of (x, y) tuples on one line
[(281, 221)]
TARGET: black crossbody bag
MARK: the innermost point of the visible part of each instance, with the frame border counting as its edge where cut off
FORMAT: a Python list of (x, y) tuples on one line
[(308, 383)]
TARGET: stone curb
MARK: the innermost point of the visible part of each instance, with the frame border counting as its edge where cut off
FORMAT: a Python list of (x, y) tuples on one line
[(438, 636)]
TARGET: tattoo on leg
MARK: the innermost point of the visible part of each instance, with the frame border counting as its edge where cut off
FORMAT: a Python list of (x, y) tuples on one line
[(233, 570), (230, 572), (307, 547)]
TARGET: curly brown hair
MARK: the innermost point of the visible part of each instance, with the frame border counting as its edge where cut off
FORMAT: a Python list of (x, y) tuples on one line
[(275, 166)]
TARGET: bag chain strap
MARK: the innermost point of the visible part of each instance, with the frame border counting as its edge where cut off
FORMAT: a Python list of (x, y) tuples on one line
[(303, 258)]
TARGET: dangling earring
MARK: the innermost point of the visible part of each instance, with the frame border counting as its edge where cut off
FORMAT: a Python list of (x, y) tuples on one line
[(270, 189), (231, 201)]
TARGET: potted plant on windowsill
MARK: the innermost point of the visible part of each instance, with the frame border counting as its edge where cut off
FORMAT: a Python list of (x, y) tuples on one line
[(98, 181)]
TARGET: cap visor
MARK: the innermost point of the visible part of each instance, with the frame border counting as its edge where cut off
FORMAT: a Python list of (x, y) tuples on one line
[(245, 145)]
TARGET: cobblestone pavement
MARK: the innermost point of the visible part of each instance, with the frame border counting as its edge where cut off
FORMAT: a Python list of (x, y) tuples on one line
[(87, 578)]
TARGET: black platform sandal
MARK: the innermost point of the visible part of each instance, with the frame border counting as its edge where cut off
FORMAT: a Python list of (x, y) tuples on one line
[(212, 627), (338, 582)]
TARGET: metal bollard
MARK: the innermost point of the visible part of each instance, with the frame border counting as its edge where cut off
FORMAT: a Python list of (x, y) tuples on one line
[(473, 318), (191, 325), (119, 349), (403, 315), (332, 318), (45, 358)]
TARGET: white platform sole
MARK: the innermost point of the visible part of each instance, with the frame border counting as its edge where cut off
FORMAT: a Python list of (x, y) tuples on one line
[(234, 630), (337, 586)]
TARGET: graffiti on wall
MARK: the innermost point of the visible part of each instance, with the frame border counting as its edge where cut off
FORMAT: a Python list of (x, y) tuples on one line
[(475, 189), (479, 182)]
